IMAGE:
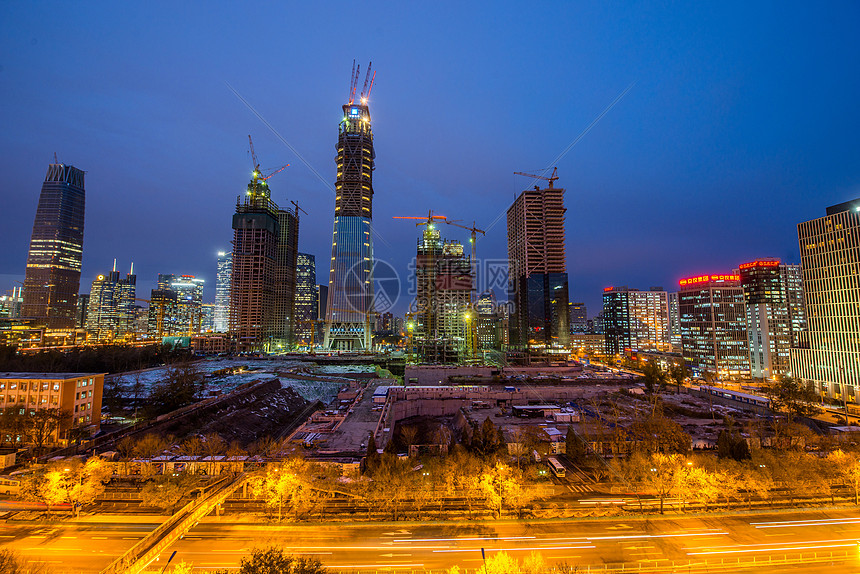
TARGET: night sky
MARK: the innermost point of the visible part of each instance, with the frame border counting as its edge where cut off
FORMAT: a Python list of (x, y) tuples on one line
[(742, 121)]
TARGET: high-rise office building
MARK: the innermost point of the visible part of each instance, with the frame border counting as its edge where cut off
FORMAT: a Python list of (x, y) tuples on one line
[(538, 278), (320, 313), (443, 277), (674, 321), (306, 297), (207, 324), (110, 314), (176, 306), (490, 322), (350, 294), (828, 355), (713, 325), (578, 318), (635, 320), (53, 275), (773, 322), (263, 280), (222, 291), (10, 303)]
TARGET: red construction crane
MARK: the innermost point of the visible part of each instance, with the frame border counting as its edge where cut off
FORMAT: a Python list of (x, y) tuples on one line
[(550, 179), (426, 220)]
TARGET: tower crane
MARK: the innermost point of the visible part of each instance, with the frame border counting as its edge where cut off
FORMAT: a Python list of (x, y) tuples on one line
[(429, 327), (426, 220), (473, 238), (550, 179), (258, 174)]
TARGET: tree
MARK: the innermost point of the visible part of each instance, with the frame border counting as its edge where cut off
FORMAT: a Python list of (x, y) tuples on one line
[(409, 434), (273, 560), (180, 388), (166, 492), (213, 445), (286, 485), (574, 446), (848, 466), (655, 382), (148, 446), (502, 485), (372, 460), (42, 425), (677, 373), (73, 482), (12, 563), (792, 397), (660, 434)]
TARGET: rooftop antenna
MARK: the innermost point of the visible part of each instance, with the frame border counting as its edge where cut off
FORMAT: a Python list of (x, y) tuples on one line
[(55, 158), (114, 263)]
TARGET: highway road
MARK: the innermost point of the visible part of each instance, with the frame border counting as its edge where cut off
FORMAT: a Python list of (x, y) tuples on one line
[(711, 540)]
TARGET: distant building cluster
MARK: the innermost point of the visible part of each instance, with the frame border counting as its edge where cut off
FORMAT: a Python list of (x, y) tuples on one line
[(765, 319)]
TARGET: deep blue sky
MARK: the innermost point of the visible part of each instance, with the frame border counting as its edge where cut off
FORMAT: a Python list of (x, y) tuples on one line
[(743, 121)]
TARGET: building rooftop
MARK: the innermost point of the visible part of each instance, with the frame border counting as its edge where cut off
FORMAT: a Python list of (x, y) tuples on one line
[(49, 376)]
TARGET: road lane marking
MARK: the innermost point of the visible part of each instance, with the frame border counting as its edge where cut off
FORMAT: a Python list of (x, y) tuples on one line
[(773, 549), (516, 549), (99, 537), (333, 566), (466, 539)]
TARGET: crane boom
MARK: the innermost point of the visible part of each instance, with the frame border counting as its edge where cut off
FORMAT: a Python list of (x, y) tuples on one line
[(550, 179)]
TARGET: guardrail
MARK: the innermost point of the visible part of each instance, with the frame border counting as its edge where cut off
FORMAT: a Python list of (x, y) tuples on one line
[(148, 549)]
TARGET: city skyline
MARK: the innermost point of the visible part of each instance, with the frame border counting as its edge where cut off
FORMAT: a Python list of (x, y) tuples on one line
[(715, 123)]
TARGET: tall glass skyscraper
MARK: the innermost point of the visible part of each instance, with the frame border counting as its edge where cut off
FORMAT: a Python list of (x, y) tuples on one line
[(222, 291), (350, 294), (306, 298), (111, 316), (828, 356), (53, 274)]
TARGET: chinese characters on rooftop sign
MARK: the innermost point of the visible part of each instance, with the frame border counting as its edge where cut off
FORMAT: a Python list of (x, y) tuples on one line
[(707, 278), (759, 264)]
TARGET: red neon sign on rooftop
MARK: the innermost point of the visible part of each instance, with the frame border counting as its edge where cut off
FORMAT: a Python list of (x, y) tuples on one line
[(605, 289), (707, 278), (759, 264)]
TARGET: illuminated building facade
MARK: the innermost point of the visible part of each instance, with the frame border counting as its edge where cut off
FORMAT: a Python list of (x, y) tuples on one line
[(775, 315), (306, 298), (491, 322), (111, 310), (829, 354), (674, 321), (263, 279), (350, 294), (53, 275), (578, 318), (78, 396), (635, 320), (176, 306), (713, 325), (222, 291), (443, 320), (537, 276), (10, 303)]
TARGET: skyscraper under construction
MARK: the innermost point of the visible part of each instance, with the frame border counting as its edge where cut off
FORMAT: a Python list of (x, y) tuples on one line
[(263, 281), (350, 294), (538, 277), (56, 247)]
